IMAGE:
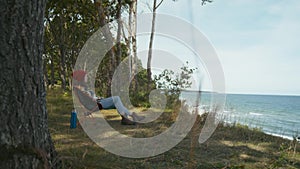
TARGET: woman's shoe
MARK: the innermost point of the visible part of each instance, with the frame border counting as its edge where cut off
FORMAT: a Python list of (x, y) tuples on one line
[(126, 121)]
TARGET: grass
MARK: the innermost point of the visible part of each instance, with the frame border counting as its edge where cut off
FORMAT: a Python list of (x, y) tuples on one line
[(230, 147)]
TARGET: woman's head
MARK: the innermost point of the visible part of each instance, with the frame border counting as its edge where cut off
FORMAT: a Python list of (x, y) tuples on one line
[(79, 77)]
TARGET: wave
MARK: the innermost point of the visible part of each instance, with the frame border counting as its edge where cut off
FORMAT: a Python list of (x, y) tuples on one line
[(255, 114), (280, 135)]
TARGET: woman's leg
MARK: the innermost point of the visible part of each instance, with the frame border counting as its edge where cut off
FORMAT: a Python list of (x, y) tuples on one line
[(115, 102), (120, 107)]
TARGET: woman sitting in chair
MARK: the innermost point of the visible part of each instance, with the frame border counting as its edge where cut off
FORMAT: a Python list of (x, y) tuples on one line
[(114, 102)]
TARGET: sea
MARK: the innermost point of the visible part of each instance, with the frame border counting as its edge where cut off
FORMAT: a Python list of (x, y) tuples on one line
[(276, 115)]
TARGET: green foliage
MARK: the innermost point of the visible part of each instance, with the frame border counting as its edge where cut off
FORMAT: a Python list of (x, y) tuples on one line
[(172, 84), (168, 82), (102, 76), (138, 91), (68, 24)]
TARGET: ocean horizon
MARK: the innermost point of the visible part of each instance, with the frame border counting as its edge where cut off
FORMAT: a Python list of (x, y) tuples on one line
[(277, 115)]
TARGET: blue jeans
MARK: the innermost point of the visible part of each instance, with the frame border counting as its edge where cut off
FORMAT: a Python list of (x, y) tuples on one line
[(115, 102)]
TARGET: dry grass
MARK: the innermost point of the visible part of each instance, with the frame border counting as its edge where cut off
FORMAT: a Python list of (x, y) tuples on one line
[(229, 147)]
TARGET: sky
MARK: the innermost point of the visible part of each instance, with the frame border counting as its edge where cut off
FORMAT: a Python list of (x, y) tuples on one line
[(257, 41)]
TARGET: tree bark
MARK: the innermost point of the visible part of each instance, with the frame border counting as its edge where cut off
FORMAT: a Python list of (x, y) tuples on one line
[(25, 140)]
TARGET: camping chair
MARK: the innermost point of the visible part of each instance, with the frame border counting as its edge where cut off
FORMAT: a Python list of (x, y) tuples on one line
[(87, 101)]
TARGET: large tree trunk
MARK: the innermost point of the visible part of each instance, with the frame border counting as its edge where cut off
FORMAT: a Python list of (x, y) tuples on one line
[(25, 141)]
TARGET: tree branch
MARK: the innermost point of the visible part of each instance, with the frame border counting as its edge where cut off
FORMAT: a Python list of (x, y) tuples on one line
[(159, 4), (204, 2)]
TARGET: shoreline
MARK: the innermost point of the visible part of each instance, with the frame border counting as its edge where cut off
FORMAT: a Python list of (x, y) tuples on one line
[(291, 138), (283, 136), (236, 122)]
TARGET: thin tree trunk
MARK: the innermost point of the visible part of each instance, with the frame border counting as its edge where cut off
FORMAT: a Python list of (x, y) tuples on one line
[(151, 45), (129, 40), (45, 71), (134, 45), (50, 29), (118, 39), (62, 54), (25, 141), (131, 43), (52, 81), (62, 68), (108, 36), (119, 49)]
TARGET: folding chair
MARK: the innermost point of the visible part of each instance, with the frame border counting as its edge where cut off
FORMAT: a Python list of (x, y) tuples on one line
[(87, 101)]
